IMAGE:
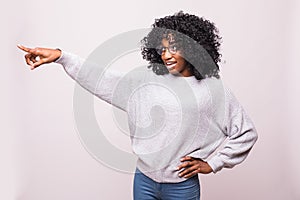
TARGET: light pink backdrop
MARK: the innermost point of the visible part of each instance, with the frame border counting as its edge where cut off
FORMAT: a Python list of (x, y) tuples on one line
[(41, 154)]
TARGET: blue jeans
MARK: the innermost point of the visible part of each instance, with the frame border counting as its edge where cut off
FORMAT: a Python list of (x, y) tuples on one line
[(145, 188)]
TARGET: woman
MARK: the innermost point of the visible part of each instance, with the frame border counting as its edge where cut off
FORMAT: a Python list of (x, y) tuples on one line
[(183, 53)]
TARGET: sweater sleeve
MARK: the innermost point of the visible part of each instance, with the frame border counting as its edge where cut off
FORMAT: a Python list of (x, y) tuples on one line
[(92, 77), (241, 134)]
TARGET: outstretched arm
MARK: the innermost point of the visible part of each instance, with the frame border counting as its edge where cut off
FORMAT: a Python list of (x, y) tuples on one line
[(36, 57), (87, 74)]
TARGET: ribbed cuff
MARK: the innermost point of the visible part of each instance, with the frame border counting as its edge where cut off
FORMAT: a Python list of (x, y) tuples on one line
[(216, 163)]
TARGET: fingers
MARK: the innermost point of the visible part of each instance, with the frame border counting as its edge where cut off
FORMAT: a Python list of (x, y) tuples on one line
[(192, 166), (28, 59), (189, 166), (184, 165), (35, 51), (190, 171), (186, 162), (35, 57), (186, 158), (34, 61), (38, 63), (26, 49), (38, 56), (31, 59)]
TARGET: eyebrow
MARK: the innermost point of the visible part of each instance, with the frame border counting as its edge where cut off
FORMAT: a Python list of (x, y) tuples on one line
[(170, 44)]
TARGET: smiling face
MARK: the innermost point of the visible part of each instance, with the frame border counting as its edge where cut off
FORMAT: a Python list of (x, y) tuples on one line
[(173, 60)]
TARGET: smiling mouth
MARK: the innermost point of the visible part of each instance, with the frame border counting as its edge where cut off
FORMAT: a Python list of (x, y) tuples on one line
[(170, 65)]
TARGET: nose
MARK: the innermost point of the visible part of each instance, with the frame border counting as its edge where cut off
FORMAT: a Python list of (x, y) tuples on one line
[(167, 55)]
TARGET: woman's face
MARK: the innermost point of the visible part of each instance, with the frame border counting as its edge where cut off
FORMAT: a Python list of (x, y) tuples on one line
[(173, 59)]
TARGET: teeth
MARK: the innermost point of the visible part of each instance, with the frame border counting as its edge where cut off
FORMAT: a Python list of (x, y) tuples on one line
[(170, 65)]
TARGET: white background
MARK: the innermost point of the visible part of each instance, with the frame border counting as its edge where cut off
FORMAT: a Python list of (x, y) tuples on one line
[(41, 154)]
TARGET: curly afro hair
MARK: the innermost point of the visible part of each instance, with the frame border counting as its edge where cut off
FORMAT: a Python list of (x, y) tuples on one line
[(196, 37)]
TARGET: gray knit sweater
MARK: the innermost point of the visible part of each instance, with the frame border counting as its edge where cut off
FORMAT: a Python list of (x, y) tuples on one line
[(170, 117)]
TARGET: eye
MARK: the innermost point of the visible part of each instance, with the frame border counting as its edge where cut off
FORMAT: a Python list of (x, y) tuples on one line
[(173, 49), (160, 50)]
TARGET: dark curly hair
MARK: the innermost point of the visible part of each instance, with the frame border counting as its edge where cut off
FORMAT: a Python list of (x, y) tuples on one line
[(197, 38)]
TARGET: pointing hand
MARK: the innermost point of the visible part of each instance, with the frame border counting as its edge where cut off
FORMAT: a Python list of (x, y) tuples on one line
[(39, 56)]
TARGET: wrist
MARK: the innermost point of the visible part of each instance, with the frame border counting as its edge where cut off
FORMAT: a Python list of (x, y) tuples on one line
[(57, 54)]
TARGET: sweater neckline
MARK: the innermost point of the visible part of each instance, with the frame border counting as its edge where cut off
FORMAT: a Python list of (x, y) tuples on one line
[(189, 79)]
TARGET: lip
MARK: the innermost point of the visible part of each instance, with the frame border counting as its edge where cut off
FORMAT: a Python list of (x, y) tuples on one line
[(170, 65)]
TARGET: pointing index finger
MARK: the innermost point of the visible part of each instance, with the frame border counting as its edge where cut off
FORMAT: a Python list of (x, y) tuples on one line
[(26, 49)]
